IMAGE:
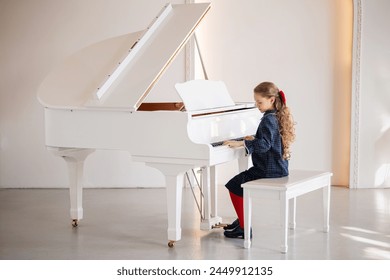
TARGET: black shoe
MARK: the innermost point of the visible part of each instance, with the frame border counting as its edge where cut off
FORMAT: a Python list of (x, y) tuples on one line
[(233, 225), (236, 233)]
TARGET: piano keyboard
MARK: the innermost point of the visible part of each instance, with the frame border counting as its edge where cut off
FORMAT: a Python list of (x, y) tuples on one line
[(220, 143)]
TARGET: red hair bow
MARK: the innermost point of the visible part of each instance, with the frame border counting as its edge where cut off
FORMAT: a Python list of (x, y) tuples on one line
[(282, 97)]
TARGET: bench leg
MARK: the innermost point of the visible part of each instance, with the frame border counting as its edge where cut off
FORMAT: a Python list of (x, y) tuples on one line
[(284, 221), (292, 211), (326, 205), (247, 218)]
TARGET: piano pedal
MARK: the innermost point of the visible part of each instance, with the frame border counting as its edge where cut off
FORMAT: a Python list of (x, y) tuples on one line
[(219, 225), (75, 223)]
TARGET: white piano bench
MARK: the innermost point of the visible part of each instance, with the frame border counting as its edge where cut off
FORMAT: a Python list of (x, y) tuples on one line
[(286, 190)]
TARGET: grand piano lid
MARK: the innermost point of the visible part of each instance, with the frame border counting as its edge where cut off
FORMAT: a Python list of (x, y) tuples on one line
[(120, 72)]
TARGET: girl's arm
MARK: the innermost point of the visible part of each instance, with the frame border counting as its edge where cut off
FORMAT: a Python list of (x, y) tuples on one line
[(267, 130)]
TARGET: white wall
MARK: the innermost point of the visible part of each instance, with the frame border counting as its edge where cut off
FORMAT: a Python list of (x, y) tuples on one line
[(302, 45), (371, 162)]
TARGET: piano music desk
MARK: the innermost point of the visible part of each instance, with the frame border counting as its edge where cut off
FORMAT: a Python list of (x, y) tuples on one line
[(284, 189)]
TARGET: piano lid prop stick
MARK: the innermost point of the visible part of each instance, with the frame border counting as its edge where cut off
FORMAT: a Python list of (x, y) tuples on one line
[(206, 77)]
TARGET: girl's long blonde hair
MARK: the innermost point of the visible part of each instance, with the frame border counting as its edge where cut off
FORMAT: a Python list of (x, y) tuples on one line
[(283, 114)]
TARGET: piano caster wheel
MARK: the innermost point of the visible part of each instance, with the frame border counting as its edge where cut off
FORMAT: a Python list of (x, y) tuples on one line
[(75, 223), (171, 244)]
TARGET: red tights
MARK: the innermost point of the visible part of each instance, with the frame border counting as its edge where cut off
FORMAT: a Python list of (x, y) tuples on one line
[(238, 203)]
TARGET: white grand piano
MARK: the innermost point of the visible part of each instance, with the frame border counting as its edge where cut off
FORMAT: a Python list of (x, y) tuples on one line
[(95, 100)]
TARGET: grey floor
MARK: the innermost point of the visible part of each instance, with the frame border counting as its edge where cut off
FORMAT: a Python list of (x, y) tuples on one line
[(127, 224)]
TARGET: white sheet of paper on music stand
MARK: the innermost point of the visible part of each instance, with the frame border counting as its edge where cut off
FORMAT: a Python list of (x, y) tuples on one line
[(204, 94)]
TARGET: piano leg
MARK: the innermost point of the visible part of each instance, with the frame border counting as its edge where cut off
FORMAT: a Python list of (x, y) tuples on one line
[(174, 175), (174, 185), (75, 160), (210, 189)]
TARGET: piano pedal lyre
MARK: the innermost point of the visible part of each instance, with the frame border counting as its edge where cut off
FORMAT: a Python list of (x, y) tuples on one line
[(208, 222)]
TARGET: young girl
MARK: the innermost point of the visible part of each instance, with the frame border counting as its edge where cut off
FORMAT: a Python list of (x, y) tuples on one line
[(270, 149)]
